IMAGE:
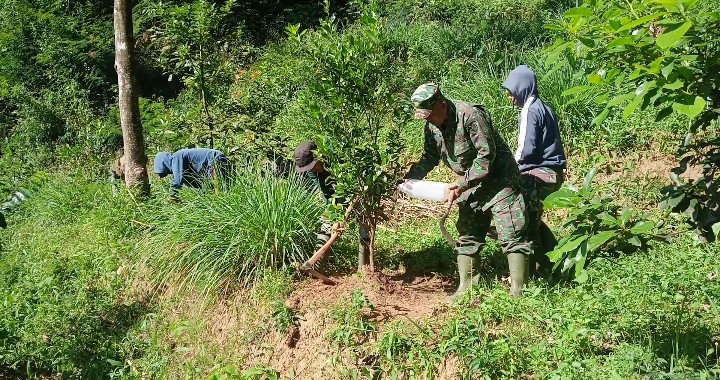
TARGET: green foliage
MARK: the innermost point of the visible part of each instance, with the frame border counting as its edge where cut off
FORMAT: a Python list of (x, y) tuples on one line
[(597, 225), (219, 241), (356, 110), (699, 198), (645, 53), (403, 353), (255, 373), (185, 36), (658, 55), (63, 310), (352, 319)]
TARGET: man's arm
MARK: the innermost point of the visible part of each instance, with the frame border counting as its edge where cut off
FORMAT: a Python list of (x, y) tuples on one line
[(429, 160), (478, 130), (178, 170)]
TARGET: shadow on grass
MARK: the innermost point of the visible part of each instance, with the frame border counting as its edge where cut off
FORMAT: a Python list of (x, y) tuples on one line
[(682, 342)]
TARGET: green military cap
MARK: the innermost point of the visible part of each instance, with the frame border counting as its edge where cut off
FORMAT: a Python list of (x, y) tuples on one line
[(424, 99)]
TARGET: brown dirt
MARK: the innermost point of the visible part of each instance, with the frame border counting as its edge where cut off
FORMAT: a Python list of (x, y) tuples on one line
[(309, 353), (648, 165)]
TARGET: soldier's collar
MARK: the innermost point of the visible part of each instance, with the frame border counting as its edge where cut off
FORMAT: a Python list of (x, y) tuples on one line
[(452, 116)]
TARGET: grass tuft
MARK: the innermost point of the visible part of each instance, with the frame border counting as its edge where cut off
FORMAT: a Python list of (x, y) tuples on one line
[(219, 241)]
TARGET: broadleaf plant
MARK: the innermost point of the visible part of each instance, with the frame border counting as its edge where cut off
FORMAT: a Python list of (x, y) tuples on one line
[(597, 225), (658, 55)]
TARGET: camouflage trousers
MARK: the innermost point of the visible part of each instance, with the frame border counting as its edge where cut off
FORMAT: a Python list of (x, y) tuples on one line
[(538, 184), (510, 216), (326, 230)]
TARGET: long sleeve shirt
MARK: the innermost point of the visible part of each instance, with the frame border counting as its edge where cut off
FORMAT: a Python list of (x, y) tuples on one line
[(469, 145)]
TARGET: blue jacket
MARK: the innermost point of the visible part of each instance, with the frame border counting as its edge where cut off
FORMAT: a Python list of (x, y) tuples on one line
[(188, 166), (542, 146)]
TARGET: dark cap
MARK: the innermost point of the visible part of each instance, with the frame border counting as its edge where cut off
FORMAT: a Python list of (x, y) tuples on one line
[(304, 158)]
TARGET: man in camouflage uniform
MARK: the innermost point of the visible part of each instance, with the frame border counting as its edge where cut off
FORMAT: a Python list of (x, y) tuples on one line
[(488, 184)]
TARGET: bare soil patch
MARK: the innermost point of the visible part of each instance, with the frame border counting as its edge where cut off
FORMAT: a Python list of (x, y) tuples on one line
[(310, 355)]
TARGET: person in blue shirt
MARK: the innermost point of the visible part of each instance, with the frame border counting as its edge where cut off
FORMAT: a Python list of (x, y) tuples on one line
[(190, 166), (540, 154)]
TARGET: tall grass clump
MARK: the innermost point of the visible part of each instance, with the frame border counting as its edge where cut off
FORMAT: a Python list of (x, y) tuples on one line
[(216, 241)]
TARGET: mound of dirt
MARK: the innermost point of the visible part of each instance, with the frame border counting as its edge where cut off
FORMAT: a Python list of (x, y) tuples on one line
[(310, 354)]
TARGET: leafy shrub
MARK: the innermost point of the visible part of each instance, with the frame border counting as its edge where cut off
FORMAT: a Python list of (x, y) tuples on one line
[(357, 111), (218, 241), (698, 199), (662, 56), (597, 225)]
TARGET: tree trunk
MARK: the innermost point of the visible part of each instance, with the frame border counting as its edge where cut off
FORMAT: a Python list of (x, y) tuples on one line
[(136, 175)]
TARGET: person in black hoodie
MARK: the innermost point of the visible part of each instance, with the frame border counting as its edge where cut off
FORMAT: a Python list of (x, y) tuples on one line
[(540, 154)]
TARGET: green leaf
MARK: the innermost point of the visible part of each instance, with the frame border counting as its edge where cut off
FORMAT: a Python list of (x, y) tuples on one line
[(608, 219), (630, 108), (675, 85), (620, 41), (597, 240), (595, 79), (576, 90), (582, 278), (663, 113), (642, 227), (601, 117), (620, 99), (635, 241), (625, 216), (580, 258), (655, 65), (641, 20), (578, 12), (690, 110), (589, 177), (571, 244), (667, 39), (668, 69)]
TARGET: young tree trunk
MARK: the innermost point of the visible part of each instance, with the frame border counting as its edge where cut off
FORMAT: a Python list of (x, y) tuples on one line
[(136, 175)]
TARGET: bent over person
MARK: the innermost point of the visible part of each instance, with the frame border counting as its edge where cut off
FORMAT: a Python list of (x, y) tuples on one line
[(540, 154), (190, 166), (315, 170), (488, 182)]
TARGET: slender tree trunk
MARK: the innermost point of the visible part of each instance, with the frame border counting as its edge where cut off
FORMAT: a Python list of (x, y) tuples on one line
[(136, 175), (208, 117)]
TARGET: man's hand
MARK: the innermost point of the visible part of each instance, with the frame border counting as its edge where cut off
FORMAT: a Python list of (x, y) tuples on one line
[(338, 226), (453, 193)]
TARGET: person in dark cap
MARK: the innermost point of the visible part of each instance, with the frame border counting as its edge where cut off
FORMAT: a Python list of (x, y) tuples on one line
[(190, 166), (488, 185), (315, 170)]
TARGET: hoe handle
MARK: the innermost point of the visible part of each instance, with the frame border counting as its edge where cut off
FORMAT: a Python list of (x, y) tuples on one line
[(307, 266)]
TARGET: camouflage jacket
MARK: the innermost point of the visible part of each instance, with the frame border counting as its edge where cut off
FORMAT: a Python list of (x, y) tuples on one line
[(472, 148)]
